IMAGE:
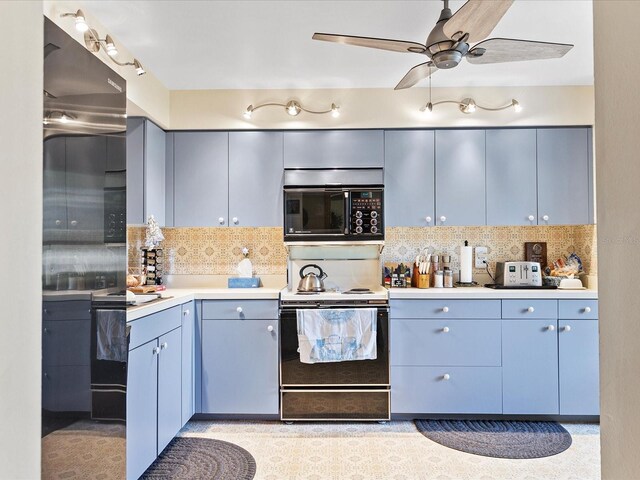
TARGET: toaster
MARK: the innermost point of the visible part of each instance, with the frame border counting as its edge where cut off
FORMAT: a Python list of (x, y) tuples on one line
[(518, 274)]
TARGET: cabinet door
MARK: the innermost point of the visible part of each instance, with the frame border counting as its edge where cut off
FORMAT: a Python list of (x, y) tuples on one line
[(86, 165), (142, 408), (117, 152), (529, 367), (54, 190), (135, 171), (255, 179), (201, 177), (188, 382), (511, 177), (154, 172), (334, 149), (240, 367), (409, 178), (579, 378), (563, 176), (169, 387), (460, 177)]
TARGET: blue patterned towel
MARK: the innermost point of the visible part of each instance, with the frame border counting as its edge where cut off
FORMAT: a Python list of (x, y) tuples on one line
[(337, 334)]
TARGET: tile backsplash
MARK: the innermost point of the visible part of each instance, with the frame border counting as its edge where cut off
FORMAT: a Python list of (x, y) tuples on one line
[(217, 250)]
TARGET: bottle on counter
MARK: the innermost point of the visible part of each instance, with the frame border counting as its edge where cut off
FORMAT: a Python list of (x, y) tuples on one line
[(438, 279), (448, 278), (435, 266)]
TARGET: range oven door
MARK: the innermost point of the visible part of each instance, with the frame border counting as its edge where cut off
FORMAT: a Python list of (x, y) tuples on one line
[(351, 390)]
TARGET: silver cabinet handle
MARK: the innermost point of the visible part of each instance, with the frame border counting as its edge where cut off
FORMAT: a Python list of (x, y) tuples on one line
[(443, 219), (221, 220), (235, 220), (239, 309), (46, 330), (58, 222), (446, 376), (445, 330), (566, 328), (531, 309), (270, 328), (531, 218), (164, 346), (74, 222), (156, 350), (587, 309), (545, 218), (551, 328), (428, 219), (185, 313), (445, 309)]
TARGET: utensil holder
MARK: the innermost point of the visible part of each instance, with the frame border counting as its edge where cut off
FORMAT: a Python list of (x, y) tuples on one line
[(422, 280)]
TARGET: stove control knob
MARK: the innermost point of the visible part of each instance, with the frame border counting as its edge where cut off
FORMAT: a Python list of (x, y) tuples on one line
[(358, 214), (374, 221), (374, 214), (358, 229), (373, 229), (358, 221)]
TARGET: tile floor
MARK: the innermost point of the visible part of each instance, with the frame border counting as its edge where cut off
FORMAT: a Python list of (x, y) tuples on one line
[(393, 451)]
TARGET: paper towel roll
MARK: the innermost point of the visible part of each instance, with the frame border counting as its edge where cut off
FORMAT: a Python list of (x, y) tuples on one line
[(466, 259)]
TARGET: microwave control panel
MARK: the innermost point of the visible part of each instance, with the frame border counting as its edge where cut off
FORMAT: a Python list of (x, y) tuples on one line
[(366, 212)]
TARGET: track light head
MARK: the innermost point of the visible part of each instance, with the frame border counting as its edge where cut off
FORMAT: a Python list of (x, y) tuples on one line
[(138, 66), (110, 46)]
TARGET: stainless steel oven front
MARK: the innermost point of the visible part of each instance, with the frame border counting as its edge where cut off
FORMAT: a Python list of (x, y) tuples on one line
[(349, 390)]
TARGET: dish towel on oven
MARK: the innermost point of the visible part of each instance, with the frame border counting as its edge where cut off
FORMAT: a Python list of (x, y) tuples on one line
[(337, 334), (111, 335)]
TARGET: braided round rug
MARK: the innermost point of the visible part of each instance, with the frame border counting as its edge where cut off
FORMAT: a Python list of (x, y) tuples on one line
[(189, 458), (499, 439)]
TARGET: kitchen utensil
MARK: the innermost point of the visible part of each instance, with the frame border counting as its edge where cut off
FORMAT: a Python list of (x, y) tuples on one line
[(311, 282)]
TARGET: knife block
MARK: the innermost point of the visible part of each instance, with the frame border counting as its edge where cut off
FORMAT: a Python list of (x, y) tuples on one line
[(419, 280)]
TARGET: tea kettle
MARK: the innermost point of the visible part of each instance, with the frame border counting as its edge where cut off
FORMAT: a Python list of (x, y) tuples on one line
[(311, 282)]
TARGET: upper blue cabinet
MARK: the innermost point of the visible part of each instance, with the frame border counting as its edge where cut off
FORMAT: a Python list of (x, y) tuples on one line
[(255, 179), (409, 178), (511, 177), (200, 181), (334, 149), (460, 177), (564, 176)]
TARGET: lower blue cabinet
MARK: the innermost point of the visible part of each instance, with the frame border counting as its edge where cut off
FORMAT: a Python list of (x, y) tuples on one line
[(530, 366), (169, 387), (424, 390), (578, 351), (240, 367)]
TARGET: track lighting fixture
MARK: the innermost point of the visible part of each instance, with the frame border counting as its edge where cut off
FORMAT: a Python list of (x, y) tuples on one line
[(468, 105), (293, 108), (93, 42)]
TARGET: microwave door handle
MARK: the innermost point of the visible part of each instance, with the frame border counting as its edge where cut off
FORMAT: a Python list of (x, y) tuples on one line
[(347, 213)]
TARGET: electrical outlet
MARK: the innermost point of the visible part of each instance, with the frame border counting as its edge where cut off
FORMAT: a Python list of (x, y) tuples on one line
[(481, 257)]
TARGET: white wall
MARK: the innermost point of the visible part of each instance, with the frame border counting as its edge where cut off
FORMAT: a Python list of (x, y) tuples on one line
[(617, 143), (146, 95), (21, 42), (381, 108)]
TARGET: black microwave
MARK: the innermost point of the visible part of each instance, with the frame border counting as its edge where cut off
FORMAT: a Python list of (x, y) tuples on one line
[(340, 213)]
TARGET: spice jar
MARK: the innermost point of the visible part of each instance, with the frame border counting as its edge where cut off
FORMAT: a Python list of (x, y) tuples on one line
[(438, 279), (448, 278)]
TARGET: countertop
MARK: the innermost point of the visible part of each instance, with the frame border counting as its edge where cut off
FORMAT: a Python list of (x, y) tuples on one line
[(177, 296), (489, 293)]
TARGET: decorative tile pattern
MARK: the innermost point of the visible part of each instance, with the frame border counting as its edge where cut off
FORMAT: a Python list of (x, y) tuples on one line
[(393, 451), (217, 250)]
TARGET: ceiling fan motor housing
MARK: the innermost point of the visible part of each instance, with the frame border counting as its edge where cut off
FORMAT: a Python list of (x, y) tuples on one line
[(447, 59)]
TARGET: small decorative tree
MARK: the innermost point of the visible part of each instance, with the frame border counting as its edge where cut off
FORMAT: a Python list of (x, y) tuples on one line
[(154, 235)]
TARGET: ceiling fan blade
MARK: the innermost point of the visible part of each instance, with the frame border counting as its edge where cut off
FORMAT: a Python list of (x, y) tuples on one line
[(478, 18), (417, 73), (370, 42), (500, 50)]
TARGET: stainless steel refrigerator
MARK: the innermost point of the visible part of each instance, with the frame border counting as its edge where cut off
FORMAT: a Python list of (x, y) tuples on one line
[(84, 337)]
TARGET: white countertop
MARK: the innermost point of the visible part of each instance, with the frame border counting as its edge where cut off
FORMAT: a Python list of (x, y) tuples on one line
[(183, 295), (489, 293)]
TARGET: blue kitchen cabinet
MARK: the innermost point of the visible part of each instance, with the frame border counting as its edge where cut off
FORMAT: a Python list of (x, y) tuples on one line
[(169, 387), (511, 177), (201, 179), (154, 387), (188, 361), (54, 190), (460, 177), (579, 367), (530, 366), (409, 178), (564, 171), (146, 171), (142, 408), (255, 179), (240, 367), (334, 149)]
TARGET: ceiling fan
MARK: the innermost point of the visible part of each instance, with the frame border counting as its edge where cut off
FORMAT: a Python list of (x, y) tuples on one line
[(449, 41)]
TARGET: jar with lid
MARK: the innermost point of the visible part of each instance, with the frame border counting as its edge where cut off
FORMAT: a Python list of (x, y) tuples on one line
[(438, 279), (448, 278)]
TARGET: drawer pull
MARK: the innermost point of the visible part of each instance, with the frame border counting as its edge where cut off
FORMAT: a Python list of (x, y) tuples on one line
[(428, 219), (445, 330), (46, 330), (156, 350), (531, 309), (587, 309), (239, 309), (551, 328), (164, 346), (566, 328), (531, 218), (185, 313), (270, 328), (445, 309), (446, 376)]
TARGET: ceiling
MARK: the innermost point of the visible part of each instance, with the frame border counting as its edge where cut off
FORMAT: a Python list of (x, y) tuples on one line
[(192, 45)]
